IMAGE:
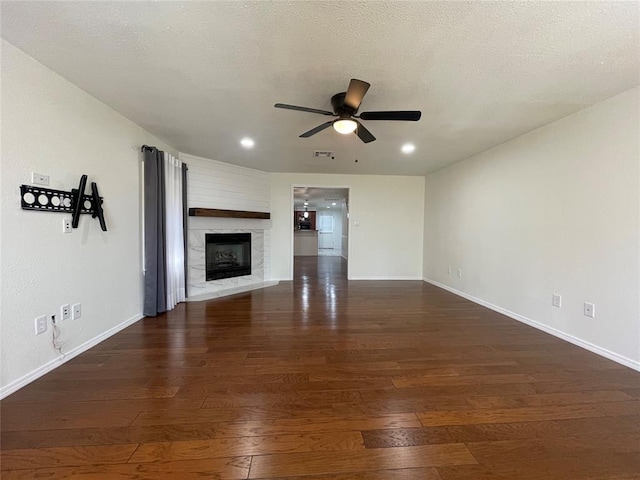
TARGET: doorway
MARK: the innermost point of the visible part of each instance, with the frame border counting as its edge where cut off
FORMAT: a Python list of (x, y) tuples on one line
[(320, 224)]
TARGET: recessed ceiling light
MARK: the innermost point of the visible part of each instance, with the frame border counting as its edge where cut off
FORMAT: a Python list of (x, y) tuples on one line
[(247, 143), (328, 206), (306, 203), (333, 203), (408, 148)]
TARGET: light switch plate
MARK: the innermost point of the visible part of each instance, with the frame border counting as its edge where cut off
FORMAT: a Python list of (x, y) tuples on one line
[(41, 324), (39, 178), (76, 311)]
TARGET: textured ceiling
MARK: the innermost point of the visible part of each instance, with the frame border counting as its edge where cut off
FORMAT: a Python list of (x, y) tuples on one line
[(202, 75)]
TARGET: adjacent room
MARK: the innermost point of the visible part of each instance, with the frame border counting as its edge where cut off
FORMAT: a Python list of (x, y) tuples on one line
[(320, 240)]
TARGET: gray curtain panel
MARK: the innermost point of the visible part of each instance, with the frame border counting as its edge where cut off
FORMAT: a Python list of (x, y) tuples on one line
[(155, 285), (185, 214)]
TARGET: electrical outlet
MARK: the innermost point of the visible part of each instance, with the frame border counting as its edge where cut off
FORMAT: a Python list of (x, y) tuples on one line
[(66, 225), (65, 312), (450, 270), (459, 273), (557, 300), (39, 179), (589, 310), (76, 311), (41, 324)]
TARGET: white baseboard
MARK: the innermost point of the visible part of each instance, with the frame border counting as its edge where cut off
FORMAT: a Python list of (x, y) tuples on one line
[(55, 363), (385, 278), (627, 362)]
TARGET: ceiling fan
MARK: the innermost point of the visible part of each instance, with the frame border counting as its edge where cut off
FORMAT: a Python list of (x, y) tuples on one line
[(345, 106)]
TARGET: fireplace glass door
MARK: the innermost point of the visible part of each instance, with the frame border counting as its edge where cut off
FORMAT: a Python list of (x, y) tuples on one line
[(227, 255)]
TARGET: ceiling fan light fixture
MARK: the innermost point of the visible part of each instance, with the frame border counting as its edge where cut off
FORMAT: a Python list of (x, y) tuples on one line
[(345, 105), (345, 126)]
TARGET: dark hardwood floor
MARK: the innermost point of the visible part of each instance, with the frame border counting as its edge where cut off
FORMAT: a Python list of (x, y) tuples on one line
[(321, 378)]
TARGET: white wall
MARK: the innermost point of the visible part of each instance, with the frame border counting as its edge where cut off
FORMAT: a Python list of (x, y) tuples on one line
[(344, 239), (386, 243), (52, 127), (213, 184), (555, 210)]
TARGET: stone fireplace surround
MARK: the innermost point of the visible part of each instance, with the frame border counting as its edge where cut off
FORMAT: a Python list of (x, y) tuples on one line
[(197, 227)]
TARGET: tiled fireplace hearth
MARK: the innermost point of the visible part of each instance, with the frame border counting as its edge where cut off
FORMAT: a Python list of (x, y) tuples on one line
[(198, 228)]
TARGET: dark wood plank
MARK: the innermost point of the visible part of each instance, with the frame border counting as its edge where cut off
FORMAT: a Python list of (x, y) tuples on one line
[(227, 414), (65, 456), (106, 436), (324, 424), (322, 398), (64, 421), (418, 381), (213, 212), (573, 398), (398, 474), (406, 437), (406, 405), (230, 447), (616, 467), (586, 427), (363, 460), (591, 426), (228, 468), (505, 415)]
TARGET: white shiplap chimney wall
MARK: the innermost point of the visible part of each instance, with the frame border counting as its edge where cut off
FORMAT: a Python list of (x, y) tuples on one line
[(218, 185)]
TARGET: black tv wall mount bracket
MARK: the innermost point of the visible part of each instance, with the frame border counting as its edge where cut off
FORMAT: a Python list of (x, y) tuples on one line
[(74, 202)]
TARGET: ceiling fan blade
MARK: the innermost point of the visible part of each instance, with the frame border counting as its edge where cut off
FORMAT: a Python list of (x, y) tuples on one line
[(365, 135), (304, 109), (355, 93), (408, 115), (319, 128)]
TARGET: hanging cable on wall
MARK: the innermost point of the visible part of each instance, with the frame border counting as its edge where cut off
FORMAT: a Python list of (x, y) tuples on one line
[(55, 336)]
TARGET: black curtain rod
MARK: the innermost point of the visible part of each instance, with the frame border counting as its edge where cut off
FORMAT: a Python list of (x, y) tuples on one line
[(147, 147)]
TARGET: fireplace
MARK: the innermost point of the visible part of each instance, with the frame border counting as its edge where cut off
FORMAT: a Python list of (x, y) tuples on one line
[(227, 255)]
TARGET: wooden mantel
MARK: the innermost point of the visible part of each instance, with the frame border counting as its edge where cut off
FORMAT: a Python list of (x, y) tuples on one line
[(214, 212)]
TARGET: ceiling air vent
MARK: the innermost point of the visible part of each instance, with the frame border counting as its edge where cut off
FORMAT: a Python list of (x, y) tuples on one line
[(323, 154)]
